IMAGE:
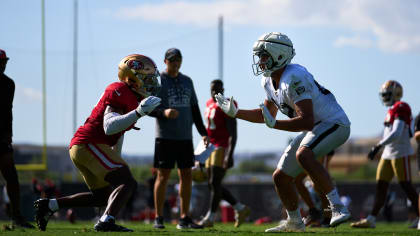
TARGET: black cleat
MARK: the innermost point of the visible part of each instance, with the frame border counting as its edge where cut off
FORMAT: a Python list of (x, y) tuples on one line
[(158, 223), (42, 213), (22, 223), (110, 226), (187, 223)]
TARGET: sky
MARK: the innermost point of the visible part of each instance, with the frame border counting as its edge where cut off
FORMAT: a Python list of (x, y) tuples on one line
[(350, 46)]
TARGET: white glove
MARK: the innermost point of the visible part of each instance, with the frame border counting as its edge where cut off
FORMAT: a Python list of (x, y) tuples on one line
[(147, 105), (227, 105), (268, 118)]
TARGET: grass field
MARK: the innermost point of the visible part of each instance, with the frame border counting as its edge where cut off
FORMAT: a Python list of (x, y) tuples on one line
[(59, 228)]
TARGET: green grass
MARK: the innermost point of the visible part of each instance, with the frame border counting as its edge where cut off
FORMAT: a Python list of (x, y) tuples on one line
[(59, 228)]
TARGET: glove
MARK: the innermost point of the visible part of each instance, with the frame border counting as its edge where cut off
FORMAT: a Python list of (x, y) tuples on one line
[(268, 118), (373, 151), (147, 105), (227, 105)]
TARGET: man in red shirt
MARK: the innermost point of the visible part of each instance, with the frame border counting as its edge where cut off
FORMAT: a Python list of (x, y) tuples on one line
[(96, 146), (221, 130)]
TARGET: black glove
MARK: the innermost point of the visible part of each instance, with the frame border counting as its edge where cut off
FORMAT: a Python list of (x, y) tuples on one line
[(372, 153)]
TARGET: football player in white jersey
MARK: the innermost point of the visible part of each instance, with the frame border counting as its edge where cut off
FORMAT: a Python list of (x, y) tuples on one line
[(312, 110)]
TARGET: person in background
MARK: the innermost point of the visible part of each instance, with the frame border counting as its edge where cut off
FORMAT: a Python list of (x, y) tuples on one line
[(395, 158), (175, 116), (417, 137), (222, 131), (7, 164)]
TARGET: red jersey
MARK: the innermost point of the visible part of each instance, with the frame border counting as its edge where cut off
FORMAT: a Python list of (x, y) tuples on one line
[(117, 95), (216, 124), (400, 110)]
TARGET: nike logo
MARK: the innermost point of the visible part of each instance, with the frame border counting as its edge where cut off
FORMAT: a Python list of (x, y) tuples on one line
[(116, 91)]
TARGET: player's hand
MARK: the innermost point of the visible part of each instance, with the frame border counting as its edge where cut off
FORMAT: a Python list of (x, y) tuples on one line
[(373, 151), (268, 118), (227, 105), (147, 105), (206, 140), (170, 113)]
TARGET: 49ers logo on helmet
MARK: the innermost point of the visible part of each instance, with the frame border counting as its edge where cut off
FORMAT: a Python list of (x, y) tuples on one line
[(136, 65)]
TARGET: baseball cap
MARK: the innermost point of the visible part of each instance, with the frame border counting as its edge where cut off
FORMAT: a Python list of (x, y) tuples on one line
[(172, 52), (3, 55)]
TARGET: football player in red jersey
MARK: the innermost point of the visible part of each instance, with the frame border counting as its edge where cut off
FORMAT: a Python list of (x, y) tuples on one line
[(397, 149), (221, 130), (96, 146)]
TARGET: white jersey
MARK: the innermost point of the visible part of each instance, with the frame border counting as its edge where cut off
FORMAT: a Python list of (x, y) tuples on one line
[(297, 84)]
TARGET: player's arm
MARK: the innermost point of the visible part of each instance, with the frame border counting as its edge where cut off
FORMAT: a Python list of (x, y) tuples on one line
[(255, 115), (303, 121), (115, 122), (231, 126), (397, 130), (417, 136)]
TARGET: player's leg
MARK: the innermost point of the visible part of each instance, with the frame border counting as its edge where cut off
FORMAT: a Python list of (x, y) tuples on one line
[(283, 177), (384, 175), (314, 215), (324, 138), (402, 170), (185, 161), (159, 195), (8, 170)]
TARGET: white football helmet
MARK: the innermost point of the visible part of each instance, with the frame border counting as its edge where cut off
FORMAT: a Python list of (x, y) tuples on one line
[(140, 73), (279, 50), (391, 91)]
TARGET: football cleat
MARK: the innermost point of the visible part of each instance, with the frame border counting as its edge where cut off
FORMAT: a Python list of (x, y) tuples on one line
[(158, 223), (363, 223), (339, 214), (206, 223), (241, 215), (42, 213), (110, 226), (288, 226), (314, 217), (22, 223), (187, 223)]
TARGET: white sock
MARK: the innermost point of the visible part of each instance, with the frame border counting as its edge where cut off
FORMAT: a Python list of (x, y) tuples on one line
[(371, 218), (106, 218), (210, 216), (294, 215), (53, 205), (334, 198), (238, 206)]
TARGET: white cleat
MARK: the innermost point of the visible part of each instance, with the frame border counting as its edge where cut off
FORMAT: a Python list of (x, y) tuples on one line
[(288, 226), (339, 214)]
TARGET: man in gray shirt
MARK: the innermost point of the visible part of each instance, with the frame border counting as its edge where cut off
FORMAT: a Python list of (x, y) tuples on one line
[(178, 111)]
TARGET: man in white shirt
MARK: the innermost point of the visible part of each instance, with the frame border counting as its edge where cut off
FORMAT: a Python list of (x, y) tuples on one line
[(312, 110)]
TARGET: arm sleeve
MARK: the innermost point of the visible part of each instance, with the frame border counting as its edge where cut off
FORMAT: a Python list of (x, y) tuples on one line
[(115, 123), (198, 121), (397, 129)]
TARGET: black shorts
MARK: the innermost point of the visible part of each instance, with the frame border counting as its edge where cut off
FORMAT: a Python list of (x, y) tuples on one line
[(169, 151), (5, 148)]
